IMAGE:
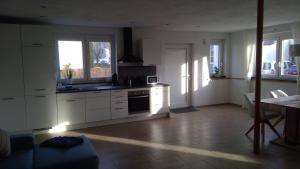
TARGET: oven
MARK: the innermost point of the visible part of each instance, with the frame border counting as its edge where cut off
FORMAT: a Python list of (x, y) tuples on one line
[(138, 101)]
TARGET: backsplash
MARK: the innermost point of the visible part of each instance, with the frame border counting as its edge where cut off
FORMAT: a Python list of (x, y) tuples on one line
[(137, 74)]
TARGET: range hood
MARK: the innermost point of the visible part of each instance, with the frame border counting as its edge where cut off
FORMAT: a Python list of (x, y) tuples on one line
[(128, 58)]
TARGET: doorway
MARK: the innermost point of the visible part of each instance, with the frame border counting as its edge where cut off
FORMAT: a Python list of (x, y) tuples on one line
[(177, 59)]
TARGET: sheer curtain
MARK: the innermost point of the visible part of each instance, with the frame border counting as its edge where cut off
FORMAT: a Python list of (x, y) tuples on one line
[(296, 36), (249, 49)]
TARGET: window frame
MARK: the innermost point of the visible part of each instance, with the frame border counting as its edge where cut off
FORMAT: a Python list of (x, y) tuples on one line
[(268, 76), (279, 37), (92, 38), (86, 56), (71, 37), (221, 43)]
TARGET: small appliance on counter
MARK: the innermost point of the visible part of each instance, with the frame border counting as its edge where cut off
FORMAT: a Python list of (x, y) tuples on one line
[(152, 80), (114, 79)]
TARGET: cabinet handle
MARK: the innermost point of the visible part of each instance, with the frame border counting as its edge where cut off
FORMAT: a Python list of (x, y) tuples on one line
[(97, 92), (8, 98), (117, 97), (38, 90), (71, 100), (119, 108), (117, 91), (118, 102), (40, 96), (37, 44)]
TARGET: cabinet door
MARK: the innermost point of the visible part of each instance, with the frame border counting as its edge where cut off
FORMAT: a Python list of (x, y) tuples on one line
[(159, 100), (119, 103), (37, 35), (11, 71), (119, 109), (98, 106), (41, 111), (71, 111), (12, 114), (39, 70), (151, 51)]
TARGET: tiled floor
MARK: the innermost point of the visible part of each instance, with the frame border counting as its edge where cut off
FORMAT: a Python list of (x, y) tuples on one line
[(211, 138)]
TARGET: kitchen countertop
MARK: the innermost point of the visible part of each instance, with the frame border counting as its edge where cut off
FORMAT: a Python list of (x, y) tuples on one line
[(87, 88)]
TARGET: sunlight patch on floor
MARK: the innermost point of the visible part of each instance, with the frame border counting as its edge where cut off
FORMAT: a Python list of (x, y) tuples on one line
[(182, 149)]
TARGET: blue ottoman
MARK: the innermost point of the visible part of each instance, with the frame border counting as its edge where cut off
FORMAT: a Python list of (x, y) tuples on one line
[(82, 156)]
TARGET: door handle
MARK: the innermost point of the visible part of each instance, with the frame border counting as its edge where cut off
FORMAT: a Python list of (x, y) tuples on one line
[(8, 98), (38, 90), (40, 96), (71, 100)]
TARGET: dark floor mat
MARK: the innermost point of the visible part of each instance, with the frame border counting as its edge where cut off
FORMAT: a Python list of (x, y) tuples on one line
[(184, 110)]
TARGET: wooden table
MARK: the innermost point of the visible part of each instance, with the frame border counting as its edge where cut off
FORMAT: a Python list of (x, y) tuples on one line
[(291, 106)]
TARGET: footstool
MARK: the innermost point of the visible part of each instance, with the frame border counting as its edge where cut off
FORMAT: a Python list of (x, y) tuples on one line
[(82, 156)]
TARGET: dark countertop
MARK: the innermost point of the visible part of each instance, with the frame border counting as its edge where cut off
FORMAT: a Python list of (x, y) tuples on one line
[(87, 88)]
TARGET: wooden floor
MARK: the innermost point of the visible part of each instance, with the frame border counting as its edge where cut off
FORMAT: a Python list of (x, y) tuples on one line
[(211, 138)]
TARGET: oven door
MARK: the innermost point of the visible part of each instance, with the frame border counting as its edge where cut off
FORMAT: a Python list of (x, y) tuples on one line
[(138, 104)]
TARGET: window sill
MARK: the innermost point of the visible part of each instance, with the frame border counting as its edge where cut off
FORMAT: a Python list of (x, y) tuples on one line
[(277, 79), (218, 78)]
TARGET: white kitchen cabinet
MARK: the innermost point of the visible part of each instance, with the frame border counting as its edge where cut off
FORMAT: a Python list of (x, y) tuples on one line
[(41, 111), (71, 108), (12, 114), (159, 99), (39, 70), (11, 71), (98, 106), (119, 103), (150, 50), (12, 103), (37, 35)]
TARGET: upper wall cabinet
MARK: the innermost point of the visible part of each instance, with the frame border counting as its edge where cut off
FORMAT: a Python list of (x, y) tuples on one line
[(11, 71), (150, 50), (39, 70), (33, 35)]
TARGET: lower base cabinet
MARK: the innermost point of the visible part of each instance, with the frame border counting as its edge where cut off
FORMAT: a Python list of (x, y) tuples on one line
[(12, 113), (119, 104), (41, 111), (119, 109), (71, 108), (98, 106), (159, 100)]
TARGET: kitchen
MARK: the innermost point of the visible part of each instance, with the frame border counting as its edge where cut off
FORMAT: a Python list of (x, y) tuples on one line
[(45, 101)]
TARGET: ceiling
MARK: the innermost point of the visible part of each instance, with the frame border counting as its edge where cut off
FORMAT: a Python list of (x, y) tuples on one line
[(194, 15)]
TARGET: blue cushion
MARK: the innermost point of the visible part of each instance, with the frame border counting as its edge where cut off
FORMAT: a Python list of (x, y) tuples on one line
[(18, 160), (82, 156), (22, 141)]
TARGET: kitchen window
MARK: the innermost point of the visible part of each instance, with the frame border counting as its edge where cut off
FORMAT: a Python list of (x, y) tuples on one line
[(277, 62), (70, 59), (100, 59), (216, 58), (86, 59)]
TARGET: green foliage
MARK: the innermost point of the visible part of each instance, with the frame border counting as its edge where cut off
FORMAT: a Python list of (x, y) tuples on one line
[(216, 70)]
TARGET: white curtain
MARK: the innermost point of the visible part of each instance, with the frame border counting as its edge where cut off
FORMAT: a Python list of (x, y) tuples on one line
[(296, 36), (249, 50)]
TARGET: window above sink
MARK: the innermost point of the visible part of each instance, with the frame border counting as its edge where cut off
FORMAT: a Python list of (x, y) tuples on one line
[(85, 59)]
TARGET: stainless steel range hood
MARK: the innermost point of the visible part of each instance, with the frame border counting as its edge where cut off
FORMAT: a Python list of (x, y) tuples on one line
[(128, 58)]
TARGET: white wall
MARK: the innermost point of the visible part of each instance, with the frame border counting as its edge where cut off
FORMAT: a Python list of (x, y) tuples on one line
[(215, 91)]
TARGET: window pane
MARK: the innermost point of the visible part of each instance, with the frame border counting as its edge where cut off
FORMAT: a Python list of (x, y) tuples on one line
[(214, 59), (100, 59), (288, 64), (269, 57), (70, 59)]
